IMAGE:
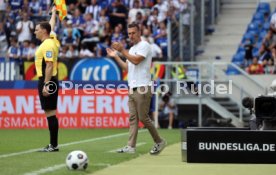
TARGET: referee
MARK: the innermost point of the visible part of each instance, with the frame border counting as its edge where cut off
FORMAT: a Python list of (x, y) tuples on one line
[(46, 69)]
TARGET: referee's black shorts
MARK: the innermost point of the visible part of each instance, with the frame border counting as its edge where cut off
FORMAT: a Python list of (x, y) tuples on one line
[(49, 102)]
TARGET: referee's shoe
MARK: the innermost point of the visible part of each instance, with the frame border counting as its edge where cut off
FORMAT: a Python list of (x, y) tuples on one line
[(49, 148)]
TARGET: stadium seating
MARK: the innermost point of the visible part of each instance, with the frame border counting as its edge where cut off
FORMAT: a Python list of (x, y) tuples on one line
[(255, 32)]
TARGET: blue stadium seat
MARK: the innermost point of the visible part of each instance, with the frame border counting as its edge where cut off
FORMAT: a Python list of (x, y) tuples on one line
[(241, 49), (262, 35), (258, 16), (254, 26), (264, 6), (246, 36), (238, 57), (253, 33), (238, 63), (259, 44), (232, 71), (255, 52), (257, 28), (264, 11), (266, 26)]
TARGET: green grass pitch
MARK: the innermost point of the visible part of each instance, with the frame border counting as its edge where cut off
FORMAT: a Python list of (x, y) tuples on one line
[(18, 155)]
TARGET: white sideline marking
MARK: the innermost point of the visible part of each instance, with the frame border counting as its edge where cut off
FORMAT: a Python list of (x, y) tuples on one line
[(46, 170), (68, 144), (56, 167), (18, 153), (137, 145)]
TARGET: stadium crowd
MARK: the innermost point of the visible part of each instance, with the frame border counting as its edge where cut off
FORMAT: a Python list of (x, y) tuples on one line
[(89, 28), (258, 48)]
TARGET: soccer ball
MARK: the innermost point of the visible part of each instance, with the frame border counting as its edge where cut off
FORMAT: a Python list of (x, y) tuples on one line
[(77, 160)]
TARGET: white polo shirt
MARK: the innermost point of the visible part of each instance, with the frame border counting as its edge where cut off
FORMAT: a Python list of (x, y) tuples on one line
[(139, 75)]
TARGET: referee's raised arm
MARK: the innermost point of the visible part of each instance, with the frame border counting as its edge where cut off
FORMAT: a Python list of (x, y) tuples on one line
[(52, 21)]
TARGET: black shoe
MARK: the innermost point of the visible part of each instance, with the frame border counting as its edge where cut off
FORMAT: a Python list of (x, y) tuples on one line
[(49, 148)]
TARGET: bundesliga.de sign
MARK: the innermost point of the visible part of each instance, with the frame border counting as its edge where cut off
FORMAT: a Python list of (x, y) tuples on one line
[(21, 109)]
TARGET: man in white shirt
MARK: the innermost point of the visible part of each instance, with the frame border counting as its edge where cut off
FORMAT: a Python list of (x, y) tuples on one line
[(25, 29), (139, 81), (133, 11)]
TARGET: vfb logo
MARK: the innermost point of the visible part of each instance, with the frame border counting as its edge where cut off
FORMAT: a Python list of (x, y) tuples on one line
[(100, 69)]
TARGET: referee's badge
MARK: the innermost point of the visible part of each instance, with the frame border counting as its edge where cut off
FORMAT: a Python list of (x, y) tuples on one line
[(49, 54)]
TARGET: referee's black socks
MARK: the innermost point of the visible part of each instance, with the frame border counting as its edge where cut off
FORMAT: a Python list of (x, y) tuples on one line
[(53, 128)]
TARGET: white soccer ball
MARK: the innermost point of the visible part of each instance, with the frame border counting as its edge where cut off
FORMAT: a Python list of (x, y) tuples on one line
[(77, 160)]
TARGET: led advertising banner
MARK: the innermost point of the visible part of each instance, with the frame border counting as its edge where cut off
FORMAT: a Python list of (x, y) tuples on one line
[(100, 108)]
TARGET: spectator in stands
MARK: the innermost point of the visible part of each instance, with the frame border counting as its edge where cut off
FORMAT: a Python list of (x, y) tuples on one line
[(147, 35), (185, 8), (103, 19), (168, 110), (147, 4), (117, 13), (91, 29), (184, 5), (102, 46), (63, 51), (72, 52), (106, 32), (3, 6), (160, 34), (266, 47), (248, 46), (78, 21), (70, 10), (14, 50), (31, 52), (162, 7), (172, 13), (117, 35), (25, 8), (140, 20), (10, 26), (25, 50), (13, 54), (153, 20), (133, 11), (94, 9), (44, 7), (34, 8), (25, 28), (82, 5), (255, 67), (270, 67), (155, 50), (69, 39), (85, 52), (75, 32), (3, 41), (15, 5)]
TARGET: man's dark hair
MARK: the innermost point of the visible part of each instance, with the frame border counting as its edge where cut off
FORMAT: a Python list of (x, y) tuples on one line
[(45, 25), (131, 25)]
